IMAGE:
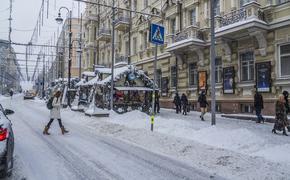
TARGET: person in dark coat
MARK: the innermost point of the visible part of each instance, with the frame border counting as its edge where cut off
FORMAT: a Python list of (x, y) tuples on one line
[(259, 105), (281, 116), (203, 104), (177, 103), (287, 106), (184, 103), (157, 105)]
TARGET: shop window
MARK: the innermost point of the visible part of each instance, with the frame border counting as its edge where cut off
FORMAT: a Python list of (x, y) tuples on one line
[(173, 76), (247, 108), (247, 66), (192, 68), (218, 70), (285, 60)]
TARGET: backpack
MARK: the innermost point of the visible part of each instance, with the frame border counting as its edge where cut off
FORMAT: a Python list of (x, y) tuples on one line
[(49, 103)]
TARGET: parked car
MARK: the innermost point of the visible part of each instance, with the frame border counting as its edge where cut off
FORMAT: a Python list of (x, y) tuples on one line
[(29, 95), (6, 143)]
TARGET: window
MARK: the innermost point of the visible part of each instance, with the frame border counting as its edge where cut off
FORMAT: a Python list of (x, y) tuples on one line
[(216, 7), (285, 60), (192, 69), (127, 48), (134, 45), (145, 40), (247, 66), (173, 76), (173, 26), (218, 70), (193, 17), (158, 77), (134, 7)]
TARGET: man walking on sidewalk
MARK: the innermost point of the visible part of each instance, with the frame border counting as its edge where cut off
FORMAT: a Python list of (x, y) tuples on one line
[(259, 105)]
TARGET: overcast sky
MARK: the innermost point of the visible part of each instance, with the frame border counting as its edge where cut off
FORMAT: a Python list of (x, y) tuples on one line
[(25, 14)]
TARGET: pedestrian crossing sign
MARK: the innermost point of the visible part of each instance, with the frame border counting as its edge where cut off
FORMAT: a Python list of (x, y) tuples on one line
[(156, 34)]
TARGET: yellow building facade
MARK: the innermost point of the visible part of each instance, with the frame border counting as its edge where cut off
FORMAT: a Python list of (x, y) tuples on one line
[(252, 47)]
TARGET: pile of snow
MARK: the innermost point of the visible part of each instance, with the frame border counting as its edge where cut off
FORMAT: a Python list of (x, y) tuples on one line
[(276, 153)]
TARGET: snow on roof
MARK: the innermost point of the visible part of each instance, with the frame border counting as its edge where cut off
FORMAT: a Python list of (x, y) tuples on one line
[(119, 71), (133, 88), (89, 73), (82, 81), (103, 70), (92, 81)]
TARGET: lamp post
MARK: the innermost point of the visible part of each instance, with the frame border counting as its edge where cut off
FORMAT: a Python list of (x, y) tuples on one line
[(59, 20)]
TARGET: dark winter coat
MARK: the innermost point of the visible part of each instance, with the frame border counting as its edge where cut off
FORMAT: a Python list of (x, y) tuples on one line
[(258, 101), (281, 116), (184, 100), (202, 101), (177, 100)]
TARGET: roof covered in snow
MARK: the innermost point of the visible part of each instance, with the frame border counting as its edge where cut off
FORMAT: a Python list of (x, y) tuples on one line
[(89, 73)]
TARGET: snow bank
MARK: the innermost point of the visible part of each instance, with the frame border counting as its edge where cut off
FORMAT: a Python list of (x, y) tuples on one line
[(278, 153)]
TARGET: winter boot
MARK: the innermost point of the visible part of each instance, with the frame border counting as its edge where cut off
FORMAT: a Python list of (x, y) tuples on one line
[(45, 131), (63, 130), (274, 131), (288, 127), (284, 132)]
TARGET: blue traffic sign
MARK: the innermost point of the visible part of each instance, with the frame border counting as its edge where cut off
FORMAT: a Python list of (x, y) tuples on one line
[(156, 34)]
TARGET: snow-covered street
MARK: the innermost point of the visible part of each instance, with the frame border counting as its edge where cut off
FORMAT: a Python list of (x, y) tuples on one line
[(123, 147)]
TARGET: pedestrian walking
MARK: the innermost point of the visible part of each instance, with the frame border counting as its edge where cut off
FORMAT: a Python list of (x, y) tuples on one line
[(157, 105), (11, 92), (203, 104), (259, 105), (281, 117), (55, 114), (177, 102), (287, 106), (184, 103)]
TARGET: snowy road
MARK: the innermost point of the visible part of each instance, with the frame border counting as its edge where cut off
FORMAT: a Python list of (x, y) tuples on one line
[(83, 153)]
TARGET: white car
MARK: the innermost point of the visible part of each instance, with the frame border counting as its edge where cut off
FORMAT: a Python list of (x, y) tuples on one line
[(6, 143)]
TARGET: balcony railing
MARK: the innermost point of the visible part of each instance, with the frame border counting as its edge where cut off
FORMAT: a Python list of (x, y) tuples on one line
[(250, 11), (234, 17), (122, 19), (105, 31), (188, 33)]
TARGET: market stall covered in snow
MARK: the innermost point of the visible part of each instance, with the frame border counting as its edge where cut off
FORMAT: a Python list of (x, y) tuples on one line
[(132, 90)]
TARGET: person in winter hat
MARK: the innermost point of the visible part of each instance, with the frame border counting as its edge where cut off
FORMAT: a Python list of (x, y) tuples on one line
[(177, 103), (281, 117), (287, 106), (202, 103), (184, 103), (55, 114), (259, 105)]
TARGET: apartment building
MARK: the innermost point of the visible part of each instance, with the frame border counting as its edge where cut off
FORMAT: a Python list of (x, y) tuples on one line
[(252, 47), (60, 65)]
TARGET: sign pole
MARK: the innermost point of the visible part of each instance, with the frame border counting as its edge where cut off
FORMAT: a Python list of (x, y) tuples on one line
[(154, 88), (212, 55)]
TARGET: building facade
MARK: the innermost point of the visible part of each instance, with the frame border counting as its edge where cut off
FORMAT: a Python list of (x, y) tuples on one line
[(60, 64), (9, 68), (252, 47)]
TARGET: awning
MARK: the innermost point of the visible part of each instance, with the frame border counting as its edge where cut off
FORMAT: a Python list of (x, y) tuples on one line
[(134, 89)]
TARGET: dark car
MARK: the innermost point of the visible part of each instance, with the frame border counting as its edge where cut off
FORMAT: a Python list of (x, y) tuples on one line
[(6, 143), (29, 95)]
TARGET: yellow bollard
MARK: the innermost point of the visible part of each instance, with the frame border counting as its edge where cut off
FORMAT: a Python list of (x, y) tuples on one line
[(152, 122)]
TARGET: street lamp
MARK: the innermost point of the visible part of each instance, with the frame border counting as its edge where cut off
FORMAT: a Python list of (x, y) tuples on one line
[(59, 20)]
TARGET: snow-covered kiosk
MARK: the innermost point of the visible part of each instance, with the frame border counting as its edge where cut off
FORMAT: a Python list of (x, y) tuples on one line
[(132, 90)]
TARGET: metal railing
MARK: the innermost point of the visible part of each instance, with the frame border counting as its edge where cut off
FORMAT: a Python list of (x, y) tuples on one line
[(122, 19), (104, 31)]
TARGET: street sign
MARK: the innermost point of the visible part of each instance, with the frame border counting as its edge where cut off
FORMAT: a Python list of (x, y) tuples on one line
[(156, 34)]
